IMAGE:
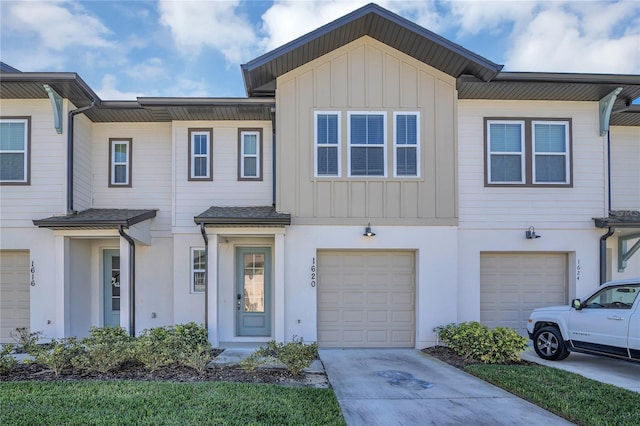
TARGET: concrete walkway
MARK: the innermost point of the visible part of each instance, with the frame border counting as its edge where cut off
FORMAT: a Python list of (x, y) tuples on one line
[(406, 387)]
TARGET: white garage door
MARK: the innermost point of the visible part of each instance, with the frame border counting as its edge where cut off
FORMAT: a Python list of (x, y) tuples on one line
[(512, 284), (366, 299), (14, 292)]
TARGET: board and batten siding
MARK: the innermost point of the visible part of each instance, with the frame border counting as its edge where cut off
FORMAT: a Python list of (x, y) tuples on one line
[(194, 197), (151, 170), (625, 168), (520, 207), (366, 75), (46, 194)]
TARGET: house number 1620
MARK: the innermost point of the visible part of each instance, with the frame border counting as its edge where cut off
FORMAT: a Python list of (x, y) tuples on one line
[(313, 272)]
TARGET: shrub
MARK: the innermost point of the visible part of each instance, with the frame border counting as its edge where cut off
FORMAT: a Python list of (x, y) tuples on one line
[(58, 355), (197, 358), (295, 355), (25, 340), (7, 362), (473, 340), (105, 349), (151, 349)]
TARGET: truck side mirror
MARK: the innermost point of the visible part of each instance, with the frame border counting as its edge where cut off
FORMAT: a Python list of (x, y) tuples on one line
[(576, 304)]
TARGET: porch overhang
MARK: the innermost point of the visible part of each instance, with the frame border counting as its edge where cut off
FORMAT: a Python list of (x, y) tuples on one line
[(242, 216), (96, 219), (619, 219), (627, 221)]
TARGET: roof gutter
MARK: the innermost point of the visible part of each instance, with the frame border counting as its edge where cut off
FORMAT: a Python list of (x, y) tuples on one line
[(203, 231), (132, 280), (70, 144)]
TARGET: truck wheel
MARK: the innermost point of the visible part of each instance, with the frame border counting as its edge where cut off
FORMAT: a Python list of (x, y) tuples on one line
[(548, 344)]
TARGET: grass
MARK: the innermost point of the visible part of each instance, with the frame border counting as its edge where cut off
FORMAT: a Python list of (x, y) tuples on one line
[(165, 403), (576, 398)]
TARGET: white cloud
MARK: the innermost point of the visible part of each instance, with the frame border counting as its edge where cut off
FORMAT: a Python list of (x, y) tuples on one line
[(152, 68), (108, 90), (58, 25), (218, 25), (475, 17), (564, 40)]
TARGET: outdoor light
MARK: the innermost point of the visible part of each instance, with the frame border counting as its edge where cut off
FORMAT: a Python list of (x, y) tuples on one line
[(368, 232), (530, 233)]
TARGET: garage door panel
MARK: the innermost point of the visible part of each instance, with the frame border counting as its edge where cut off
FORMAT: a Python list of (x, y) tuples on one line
[(14, 292), (513, 284), (376, 301)]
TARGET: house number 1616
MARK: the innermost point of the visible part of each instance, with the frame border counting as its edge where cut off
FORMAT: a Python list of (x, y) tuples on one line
[(313, 272)]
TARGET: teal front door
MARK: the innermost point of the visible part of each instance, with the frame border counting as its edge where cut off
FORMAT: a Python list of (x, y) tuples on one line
[(253, 291), (111, 288)]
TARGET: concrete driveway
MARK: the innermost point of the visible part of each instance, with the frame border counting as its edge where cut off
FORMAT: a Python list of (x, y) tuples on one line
[(615, 372), (406, 387)]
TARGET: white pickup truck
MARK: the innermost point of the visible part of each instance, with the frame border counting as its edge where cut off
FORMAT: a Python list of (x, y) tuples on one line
[(606, 323)]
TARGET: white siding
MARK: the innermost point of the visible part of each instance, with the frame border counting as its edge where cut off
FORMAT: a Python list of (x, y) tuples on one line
[(46, 195), (194, 197), (82, 190), (625, 168), (151, 170), (519, 207)]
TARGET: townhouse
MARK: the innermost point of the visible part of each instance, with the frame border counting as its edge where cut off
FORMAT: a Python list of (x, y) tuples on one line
[(377, 181)]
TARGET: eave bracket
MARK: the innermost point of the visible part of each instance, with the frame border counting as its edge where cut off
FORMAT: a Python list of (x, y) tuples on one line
[(605, 106), (56, 104), (624, 251)]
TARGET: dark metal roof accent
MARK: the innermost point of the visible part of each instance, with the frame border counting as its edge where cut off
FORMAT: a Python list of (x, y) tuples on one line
[(619, 219), (243, 216), (627, 117), (168, 109), (550, 86), (96, 219), (380, 24), (29, 85)]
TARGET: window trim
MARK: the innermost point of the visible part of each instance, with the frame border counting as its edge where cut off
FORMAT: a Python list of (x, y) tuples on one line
[(316, 145), (112, 164), (528, 152), (192, 281), (523, 149), (242, 156), (199, 131), (384, 145), (27, 151), (396, 146)]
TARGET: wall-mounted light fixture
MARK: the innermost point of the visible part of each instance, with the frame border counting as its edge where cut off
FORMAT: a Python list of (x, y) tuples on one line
[(530, 233), (368, 232)]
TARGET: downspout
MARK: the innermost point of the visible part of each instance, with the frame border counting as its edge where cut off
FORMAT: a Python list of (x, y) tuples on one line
[(603, 255), (203, 231), (132, 281), (70, 144), (609, 208), (273, 155)]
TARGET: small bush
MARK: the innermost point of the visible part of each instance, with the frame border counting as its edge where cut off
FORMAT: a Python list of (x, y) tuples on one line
[(197, 358), (105, 349), (190, 335), (7, 362), (473, 340), (25, 340), (58, 355), (151, 349), (295, 355)]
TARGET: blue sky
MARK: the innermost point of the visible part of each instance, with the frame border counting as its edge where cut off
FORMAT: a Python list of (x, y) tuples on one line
[(124, 49)]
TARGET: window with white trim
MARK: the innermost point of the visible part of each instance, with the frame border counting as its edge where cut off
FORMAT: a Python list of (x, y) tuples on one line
[(407, 144), (327, 144), (367, 144), (250, 154), (14, 151), (505, 151), (200, 159), (528, 152), (198, 270), (550, 152), (120, 162)]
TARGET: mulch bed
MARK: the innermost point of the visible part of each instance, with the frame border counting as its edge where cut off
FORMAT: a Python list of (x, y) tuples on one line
[(36, 372)]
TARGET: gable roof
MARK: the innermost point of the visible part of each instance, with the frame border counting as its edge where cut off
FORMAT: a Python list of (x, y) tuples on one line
[(374, 21)]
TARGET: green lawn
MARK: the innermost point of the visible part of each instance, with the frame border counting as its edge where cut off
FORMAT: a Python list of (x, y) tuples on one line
[(576, 398), (165, 403)]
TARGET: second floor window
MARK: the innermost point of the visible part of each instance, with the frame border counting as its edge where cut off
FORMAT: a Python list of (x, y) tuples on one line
[(120, 162), (14, 151), (530, 152), (407, 144), (250, 154), (200, 158), (367, 144), (327, 144)]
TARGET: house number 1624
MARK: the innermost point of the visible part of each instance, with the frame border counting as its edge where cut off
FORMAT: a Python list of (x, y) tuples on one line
[(313, 272)]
